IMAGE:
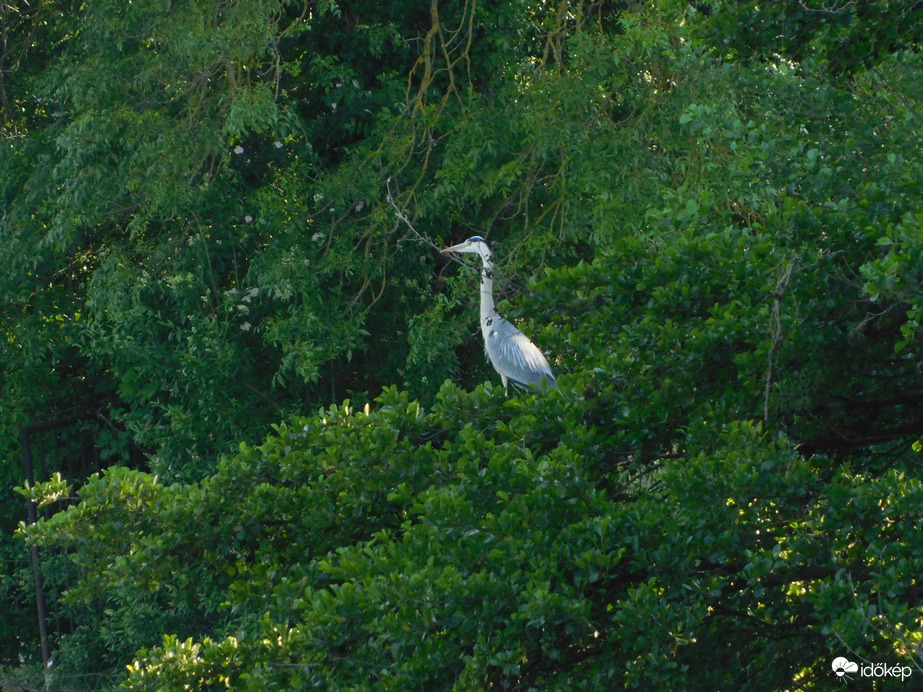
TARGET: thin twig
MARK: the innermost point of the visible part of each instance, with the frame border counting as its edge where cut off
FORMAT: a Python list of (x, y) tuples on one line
[(401, 216), (833, 9)]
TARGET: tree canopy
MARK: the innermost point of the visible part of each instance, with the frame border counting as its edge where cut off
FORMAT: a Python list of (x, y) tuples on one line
[(219, 231)]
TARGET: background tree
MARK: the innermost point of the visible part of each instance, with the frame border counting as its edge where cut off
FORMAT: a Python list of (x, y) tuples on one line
[(722, 240)]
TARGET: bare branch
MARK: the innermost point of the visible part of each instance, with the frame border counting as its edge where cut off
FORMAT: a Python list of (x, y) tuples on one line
[(775, 327)]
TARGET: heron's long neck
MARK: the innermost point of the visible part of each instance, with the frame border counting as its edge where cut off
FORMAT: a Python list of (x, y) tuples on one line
[(487, 291)]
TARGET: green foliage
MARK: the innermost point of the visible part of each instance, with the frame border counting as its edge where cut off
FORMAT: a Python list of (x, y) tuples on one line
[(848, 36), (395, 548), (717, 242)]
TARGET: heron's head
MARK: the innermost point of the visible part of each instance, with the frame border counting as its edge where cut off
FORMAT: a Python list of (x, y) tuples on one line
[(475, 245)]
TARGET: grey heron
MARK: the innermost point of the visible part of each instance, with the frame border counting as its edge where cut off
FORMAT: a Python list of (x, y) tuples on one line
[(511, 353)]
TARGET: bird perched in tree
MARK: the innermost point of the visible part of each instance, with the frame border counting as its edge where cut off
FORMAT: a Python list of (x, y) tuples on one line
[(511, 353)]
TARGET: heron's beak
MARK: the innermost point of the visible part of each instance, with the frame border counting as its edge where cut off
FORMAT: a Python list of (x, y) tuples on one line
[(456, 248)]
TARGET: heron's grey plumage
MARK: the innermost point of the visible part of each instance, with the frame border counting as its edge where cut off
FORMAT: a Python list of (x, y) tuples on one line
[(511, 353)]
